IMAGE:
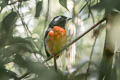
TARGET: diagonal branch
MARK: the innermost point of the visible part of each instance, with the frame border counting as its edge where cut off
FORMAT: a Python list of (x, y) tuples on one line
[(75, 40)]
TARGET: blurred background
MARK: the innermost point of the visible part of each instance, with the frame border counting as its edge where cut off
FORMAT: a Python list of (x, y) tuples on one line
[(22, 28)]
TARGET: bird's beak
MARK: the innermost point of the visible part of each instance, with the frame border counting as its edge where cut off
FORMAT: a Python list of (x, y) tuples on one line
[(69, 19)]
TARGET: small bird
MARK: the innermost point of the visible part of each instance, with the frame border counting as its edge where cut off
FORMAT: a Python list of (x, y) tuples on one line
[(55, 37)]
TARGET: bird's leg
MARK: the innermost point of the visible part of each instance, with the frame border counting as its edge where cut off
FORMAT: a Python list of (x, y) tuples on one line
[(55, 63)]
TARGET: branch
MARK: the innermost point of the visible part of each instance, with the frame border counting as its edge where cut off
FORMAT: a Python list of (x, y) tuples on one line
[(23, 76), (90, 60), (45, 24), (47, 15), (29, 32), (75, 40)]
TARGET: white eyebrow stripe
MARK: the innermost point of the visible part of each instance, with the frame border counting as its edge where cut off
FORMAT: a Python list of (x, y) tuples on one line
[(57, 18)]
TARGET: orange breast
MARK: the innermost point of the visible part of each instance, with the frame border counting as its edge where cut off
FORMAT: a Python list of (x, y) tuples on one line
[(56, 39)]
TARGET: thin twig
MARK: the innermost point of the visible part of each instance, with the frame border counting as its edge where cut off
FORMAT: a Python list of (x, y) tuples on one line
[(83, 7), (90, 12), (65, 47), (23, 76), (89, 63), (28, 32), (48, 58), (45, 24), (27, 29), (24, 24), (96, 34), (47, 15), (88, 8)]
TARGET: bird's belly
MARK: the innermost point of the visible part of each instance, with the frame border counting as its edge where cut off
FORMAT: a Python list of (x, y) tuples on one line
[(56, 43)]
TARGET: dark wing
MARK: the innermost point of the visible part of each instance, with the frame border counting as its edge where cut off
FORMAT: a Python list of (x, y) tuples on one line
[(45, 37)]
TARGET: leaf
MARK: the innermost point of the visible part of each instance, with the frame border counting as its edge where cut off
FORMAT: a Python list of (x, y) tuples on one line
[(5, 54), (108, 5), (63, 3), (22, 0), (23, 47), (16, 45), (9, 20), (6, 27), (20, 61), (38, 68), (6, 74), (38, 8), (15, 40), (3, 4)]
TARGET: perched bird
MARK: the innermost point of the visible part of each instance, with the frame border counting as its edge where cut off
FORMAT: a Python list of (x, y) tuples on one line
[(55, 37)]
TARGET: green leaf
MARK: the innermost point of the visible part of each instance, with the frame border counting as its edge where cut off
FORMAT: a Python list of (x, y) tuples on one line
[(3, 4), (20, 61), (22, 0), (38, 68), (15, 40), (5, 54), (38, 8), (108, 5), (63, 3), (23, 47), (9, 20), (7, 27), (6, 74), (16, 45)]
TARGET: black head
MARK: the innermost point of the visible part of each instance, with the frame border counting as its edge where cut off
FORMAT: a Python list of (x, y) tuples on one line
[(58, 21)]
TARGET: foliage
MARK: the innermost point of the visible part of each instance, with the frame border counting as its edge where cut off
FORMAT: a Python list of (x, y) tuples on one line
[(38, 8), (63, 3), (22, 55)]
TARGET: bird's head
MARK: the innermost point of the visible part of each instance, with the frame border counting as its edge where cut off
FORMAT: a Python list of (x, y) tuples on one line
[(59, 21)]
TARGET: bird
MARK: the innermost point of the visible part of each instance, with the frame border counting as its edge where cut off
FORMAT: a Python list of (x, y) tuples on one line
[(56, 36)]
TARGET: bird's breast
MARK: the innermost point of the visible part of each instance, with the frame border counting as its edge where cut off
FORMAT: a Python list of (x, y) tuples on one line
[(56, 39)]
